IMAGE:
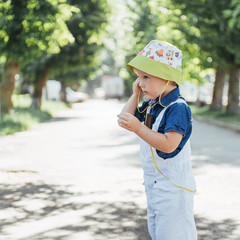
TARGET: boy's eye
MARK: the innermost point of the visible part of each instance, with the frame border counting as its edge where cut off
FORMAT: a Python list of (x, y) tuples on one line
[(145, 77)]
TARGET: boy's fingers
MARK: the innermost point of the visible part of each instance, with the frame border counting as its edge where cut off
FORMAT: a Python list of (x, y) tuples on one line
[(128, 115), (122, 121), (124, 116)]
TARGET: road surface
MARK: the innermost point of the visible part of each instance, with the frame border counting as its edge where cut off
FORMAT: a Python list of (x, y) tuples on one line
[(79, 177)]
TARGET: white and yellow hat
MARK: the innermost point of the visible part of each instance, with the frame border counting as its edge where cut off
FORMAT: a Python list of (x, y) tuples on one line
[(160, 59)]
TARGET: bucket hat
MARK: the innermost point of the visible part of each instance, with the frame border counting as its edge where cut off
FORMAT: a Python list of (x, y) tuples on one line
[(160, 59)]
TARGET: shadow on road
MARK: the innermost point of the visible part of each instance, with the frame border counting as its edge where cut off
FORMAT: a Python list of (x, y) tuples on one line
[(40, 205), (37, 202), (215, 230), (60, 119)]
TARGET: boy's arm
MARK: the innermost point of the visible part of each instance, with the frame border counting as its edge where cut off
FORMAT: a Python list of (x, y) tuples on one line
[(131, 105), (167, 142)]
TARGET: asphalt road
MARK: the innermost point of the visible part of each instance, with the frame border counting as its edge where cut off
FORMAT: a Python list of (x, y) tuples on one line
[(79, 177)]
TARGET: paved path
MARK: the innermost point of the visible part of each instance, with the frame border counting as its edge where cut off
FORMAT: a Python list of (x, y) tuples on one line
[(79, 177)]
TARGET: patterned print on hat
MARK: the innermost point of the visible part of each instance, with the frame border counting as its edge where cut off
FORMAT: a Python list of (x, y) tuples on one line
[(163, 52)]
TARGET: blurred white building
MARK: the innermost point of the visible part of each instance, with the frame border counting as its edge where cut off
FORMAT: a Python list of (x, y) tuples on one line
[(113, 87), (52, 91)]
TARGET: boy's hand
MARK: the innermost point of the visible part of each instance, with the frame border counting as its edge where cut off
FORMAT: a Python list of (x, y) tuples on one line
[(136, 87), (129, 122)]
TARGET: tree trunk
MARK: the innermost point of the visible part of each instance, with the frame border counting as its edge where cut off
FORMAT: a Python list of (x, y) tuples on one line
[(38, 87), (218, 89), (233, 90), (199, 101), (7, 85), (63, 93)]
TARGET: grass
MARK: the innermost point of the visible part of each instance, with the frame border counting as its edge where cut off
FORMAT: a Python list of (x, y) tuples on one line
[(221, 116), (23, 117)]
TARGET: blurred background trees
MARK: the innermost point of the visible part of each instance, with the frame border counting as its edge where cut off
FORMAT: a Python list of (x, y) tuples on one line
[(74, 41), (44, 37), (216, 38), (29, 29)]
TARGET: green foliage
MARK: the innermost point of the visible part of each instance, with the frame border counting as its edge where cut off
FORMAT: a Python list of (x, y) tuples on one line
[(77, 61), (22, 117), (48, 35), (29, 29), (210, 31), (74, 59), (117, 39), (160, 19), (233, 14), (172, 26), (219, 115), (144, 24)]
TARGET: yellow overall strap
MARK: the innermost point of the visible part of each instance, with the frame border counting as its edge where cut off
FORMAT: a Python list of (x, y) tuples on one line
[(167, 177)]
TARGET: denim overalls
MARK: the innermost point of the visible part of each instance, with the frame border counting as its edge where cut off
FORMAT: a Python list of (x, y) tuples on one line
[(170, 209)]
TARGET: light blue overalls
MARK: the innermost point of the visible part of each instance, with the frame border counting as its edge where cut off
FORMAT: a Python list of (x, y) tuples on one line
[(170, 209)]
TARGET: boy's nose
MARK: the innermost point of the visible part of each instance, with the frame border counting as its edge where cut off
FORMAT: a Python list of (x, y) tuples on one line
[(140, 83)]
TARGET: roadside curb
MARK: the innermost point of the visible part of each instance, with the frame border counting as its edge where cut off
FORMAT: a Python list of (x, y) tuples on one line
[(233, 127)]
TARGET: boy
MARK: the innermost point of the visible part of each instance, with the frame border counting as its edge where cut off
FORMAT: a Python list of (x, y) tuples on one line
[(164, 126)]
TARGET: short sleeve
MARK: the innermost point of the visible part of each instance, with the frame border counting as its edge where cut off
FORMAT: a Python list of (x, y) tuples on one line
[(178, 118)]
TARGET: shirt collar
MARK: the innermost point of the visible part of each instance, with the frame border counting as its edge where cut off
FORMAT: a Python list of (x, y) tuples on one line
[(171, 97)]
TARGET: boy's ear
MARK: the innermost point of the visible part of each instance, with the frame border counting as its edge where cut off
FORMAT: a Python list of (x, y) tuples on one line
[(173, 84)]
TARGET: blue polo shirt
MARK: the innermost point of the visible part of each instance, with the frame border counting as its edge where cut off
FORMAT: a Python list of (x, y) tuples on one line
[(177, 118)]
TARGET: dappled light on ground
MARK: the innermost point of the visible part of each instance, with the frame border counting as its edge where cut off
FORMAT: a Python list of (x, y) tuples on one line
[(40, 211), (79, 177)]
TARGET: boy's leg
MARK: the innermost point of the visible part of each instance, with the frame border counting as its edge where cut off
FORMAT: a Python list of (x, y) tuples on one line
[(151, 223), (149, 183), (174, 218)]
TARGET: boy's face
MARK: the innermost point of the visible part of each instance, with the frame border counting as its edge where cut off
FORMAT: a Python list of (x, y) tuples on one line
[(151, 86)]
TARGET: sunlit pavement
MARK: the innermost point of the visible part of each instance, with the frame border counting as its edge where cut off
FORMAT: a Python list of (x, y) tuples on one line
[(79, 177)]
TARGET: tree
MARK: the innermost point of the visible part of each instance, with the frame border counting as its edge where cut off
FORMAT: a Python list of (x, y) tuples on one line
[(85, 26), (144, 29), (161, 19), (172, 26), (211, 25), (232, 15), (28, 30), (217, 99)]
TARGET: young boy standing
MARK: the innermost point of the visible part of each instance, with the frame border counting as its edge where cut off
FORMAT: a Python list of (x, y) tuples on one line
[(164, 125)]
